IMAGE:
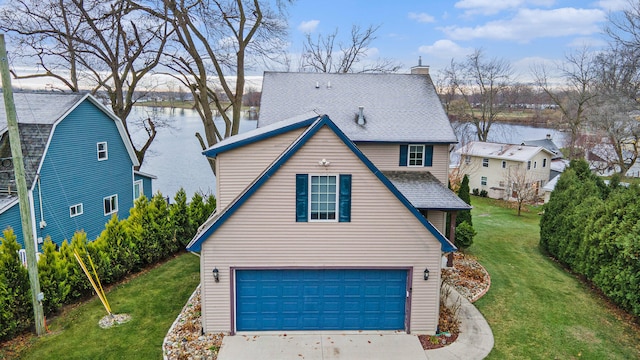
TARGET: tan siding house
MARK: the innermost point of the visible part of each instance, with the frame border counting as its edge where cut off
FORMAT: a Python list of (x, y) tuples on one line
[(261, 232), (500, 168), (334, 219)]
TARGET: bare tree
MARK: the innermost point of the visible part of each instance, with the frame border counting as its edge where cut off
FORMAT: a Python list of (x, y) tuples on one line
[(481, 84), (89, 44), (321, 54), (218, 39), (521, 185), (616, 112), (574, 95)]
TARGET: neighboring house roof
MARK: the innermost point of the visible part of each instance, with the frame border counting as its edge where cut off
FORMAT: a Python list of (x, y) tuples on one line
[(551, 184), (38, 114), (511, 152), (559, 165), (424, 191), (396, 107), (143, 174), (547, 144), (220, 217)]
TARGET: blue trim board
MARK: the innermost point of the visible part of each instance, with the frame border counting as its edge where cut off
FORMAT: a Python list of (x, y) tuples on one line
[(213, 152), (196, 243)]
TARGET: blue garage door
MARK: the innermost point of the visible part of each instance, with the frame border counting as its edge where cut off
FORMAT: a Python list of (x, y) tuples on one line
[(320, 299)]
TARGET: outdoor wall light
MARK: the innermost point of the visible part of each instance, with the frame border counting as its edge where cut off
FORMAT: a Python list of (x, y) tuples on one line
[(426, 274), (216, 274)]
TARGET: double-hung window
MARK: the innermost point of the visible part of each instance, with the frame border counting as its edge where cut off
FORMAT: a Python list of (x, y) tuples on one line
[(103, 153), (323, 197), (485, 162), (483, 180), (110, 204)]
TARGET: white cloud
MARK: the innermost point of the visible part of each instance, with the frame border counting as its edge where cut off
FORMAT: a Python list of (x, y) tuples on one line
[(585, 41), (487, 7), (446, 49), (421, 17), (529, 24), (612, 5), (308, 26)]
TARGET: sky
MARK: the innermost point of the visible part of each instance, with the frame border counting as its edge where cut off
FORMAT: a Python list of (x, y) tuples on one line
[(523, 32)]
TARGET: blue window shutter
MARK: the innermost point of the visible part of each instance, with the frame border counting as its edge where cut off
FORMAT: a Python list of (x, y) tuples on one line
[(404, 149), (428, 155), (345, 198), (302, 196)]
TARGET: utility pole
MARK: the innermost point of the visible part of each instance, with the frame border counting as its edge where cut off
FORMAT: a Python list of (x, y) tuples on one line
[(21, 183)]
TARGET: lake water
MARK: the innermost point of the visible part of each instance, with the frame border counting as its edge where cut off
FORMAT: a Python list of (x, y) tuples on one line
[(175, 156)]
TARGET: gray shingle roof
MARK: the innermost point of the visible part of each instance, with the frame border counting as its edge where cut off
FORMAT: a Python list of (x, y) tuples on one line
[(397, 107), (547, 144), (424, 191), (36, 114)]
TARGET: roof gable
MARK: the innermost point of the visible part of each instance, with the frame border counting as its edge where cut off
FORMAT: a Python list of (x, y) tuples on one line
[(38, 114), (396, 107), (214, 223)]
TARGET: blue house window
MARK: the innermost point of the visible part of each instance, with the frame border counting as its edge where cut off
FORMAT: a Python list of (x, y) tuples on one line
[(416, 155), (110, 204), (323, 198), (103, 153), (75, 210), (137, 189)]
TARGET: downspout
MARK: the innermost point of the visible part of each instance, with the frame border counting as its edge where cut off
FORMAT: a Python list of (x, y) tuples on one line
[(43, 223)]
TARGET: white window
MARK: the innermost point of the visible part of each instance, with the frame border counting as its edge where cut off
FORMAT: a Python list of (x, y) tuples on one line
[(485, 162), (504, 164), (75, 210), (483, 180), (137, 189), (501, 183), (416, 155), (467, 159), (323, 192), (535, 164), (110, 204), (544, 162), (103, 154), (529, 165)]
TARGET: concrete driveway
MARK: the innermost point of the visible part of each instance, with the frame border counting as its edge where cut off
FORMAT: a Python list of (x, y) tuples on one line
[(382, 346)]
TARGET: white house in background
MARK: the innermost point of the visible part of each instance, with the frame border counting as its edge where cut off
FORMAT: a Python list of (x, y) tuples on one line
[(500, 168)]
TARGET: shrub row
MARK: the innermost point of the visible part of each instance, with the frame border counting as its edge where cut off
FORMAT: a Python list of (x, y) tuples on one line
[(153, 231), (594, 229)]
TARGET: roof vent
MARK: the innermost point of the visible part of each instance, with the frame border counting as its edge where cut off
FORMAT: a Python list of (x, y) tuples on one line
[(361, 120), (328, 84), (317, 85)]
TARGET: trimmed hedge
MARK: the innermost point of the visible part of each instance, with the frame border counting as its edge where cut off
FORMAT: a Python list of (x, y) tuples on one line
[(594, 230), (153, 232)]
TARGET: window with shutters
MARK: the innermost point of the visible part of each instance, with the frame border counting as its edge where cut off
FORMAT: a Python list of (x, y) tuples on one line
[(323, 198), (416, 155)]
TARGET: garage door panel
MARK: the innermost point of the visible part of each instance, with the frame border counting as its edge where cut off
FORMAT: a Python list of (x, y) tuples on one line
[(320, 299)]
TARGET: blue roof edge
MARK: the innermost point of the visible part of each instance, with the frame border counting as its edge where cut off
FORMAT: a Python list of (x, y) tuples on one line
[(317, 124), (300, 124)]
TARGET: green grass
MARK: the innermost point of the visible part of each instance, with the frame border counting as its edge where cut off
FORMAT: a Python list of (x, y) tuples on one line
[(153, 299), (536, 309)]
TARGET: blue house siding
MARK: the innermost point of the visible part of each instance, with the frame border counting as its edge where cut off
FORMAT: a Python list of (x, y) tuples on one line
[(71, 174), (11, 218)]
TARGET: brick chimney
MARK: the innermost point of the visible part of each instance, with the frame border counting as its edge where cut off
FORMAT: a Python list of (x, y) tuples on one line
[(420, 69)]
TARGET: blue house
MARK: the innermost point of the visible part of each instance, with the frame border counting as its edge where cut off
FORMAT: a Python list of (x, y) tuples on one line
[(79, 166)]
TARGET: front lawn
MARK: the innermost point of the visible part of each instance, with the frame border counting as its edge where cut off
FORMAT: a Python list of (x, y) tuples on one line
[(535, 309), (153, 299)]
